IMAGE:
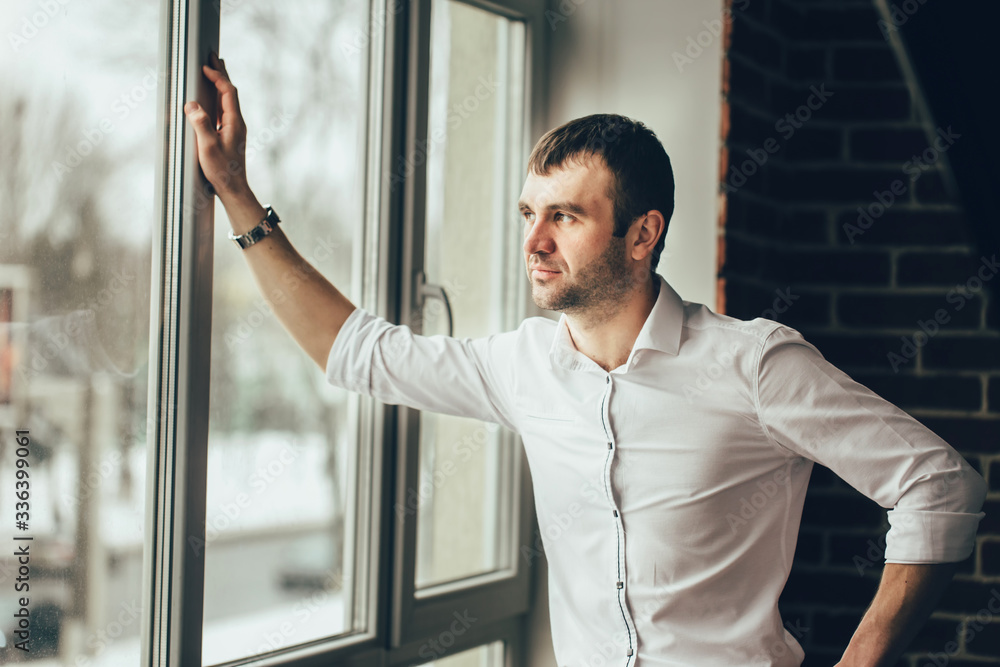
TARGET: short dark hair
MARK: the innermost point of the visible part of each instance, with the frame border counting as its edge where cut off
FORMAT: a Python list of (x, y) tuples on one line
[(642, 179)]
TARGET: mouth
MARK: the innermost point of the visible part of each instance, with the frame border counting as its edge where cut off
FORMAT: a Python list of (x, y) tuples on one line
[(542, 273)]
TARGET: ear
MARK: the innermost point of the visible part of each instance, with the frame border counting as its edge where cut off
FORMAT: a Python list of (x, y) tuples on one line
[(645, 233)]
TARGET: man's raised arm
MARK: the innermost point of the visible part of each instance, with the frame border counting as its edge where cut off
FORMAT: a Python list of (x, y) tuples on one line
[(306, 303)]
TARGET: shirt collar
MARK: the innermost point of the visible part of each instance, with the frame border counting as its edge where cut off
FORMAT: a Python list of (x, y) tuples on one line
[(661, 331)]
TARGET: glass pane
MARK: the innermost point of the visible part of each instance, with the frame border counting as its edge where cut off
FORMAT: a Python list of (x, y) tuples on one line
[(489, 655), (78, 147), (473, 251), (284, 507)]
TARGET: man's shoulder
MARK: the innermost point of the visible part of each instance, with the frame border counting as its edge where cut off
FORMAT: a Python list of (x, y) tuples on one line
[(700, 319), (532, 332)]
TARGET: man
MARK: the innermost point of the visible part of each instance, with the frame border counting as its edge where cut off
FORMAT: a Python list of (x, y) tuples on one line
[(670, 446)]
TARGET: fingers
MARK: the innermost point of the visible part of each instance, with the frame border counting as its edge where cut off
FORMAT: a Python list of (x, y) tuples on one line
[(229, 103), (199, 119)]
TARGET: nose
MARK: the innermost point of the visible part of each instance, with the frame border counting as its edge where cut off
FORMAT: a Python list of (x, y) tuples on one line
[(538, 238)]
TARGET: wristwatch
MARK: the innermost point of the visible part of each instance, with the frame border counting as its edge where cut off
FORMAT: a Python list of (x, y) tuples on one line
[(263, 228)]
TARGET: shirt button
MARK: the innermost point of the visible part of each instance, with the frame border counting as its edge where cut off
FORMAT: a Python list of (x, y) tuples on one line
[(608, 379), (616, 512), (609, 445), (629, 653), (619, 584)]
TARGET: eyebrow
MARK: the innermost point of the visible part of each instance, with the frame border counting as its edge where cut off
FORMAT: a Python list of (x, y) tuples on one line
[(571, 207)]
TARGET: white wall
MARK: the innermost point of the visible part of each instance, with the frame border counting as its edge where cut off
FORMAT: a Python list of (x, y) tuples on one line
[(618, 56)]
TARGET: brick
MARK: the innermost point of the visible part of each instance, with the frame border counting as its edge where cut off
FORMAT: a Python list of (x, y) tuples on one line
[(854, 186), (798, 226), (806, 63), (861, 551), (741, 208), (967, 566), (747, 85), (990, 524), (758, 13), (963, 596), (962, 353), (742, 259), (901, 225), (930, 189), (809, 547), (976, 463), (982, 637), (989, 556), (737, 209), (993, 477), (901, 311), (811, 309), (785, 17), (934, 659), (748, 130), (810, 143), (758, 301), (743, 174), (848, 103), (887, 144), (935, 634), (867, 63), (756, 44), (852, 23), (744, 300), (834, 629), (966, 434), (812, 220), (824, 267), (993, 310), (841, 509), (820, 657), (914, 393), (850, 352), (935, 268), (828, 588)]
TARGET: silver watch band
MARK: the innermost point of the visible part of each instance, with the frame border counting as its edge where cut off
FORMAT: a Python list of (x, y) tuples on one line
[(263, 228)]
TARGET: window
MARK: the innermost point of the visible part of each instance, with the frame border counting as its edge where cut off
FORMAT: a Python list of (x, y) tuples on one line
[(197, 494), (466, 491), (289, 459), (78, 147)]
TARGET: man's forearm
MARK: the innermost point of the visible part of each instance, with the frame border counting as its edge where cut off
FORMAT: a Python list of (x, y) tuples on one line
[(906, 597), (310, 308)]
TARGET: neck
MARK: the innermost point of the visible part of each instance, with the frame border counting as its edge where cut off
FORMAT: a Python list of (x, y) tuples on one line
[(607, 333)]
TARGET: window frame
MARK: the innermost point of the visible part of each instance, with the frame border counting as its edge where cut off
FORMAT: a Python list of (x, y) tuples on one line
[(399, 623), (494, 596)]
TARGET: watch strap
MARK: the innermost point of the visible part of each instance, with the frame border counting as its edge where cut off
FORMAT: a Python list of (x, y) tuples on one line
[(263, 228)]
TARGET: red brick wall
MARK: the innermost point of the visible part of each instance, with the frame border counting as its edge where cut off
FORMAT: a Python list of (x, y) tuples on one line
[(796, 252)]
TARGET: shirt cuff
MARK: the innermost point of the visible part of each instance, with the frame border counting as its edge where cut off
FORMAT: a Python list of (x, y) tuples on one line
[(922, 536), (348, 364)]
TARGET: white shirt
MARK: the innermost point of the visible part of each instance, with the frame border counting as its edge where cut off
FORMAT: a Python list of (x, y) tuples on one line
[(669, 490)]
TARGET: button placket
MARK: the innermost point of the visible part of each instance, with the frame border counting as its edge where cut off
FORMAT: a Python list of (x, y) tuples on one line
[(619, 527)]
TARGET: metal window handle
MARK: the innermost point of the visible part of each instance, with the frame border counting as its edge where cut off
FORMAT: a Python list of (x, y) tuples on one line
[(427, 290)]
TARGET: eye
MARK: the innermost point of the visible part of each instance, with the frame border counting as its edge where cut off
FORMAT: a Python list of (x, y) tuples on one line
[(565, 215)]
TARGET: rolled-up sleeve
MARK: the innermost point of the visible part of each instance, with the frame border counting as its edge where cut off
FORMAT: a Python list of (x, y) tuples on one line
[(812, 409), (453, 376)]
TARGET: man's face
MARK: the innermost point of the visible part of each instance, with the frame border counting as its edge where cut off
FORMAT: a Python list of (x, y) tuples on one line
[(568, 223)]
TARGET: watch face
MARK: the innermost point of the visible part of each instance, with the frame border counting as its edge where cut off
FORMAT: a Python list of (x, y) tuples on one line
[(263, 228)]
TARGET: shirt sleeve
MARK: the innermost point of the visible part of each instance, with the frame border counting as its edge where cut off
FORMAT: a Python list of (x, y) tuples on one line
[(453, 376), (812, 409)]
